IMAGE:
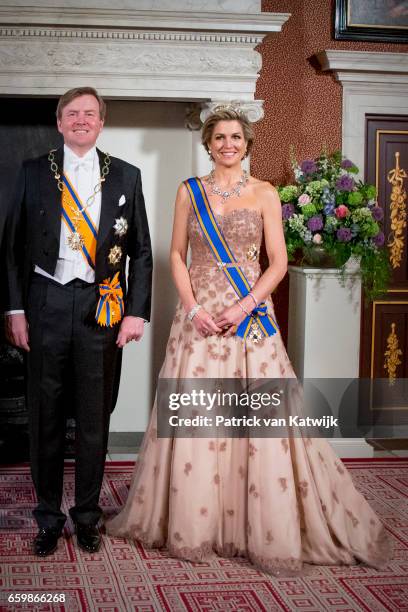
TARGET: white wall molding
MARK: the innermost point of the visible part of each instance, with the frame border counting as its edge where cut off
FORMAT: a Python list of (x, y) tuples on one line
[(373, 83), (365, 66)]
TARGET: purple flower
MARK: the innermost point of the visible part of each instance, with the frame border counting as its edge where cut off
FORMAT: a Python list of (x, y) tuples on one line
[(288, 210), (346, 163), (344, 234), (379, 239), (377, 213), (345, 183), (315, 223), (308, 166)]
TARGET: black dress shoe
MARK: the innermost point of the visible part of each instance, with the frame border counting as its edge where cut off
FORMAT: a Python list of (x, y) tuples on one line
[(46, 541), (88, 537)]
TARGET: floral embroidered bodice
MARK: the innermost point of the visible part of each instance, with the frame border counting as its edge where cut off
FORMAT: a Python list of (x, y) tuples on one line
[(242, 228)]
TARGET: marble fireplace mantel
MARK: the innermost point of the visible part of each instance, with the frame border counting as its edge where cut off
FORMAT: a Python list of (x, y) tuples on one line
[(170, 51)]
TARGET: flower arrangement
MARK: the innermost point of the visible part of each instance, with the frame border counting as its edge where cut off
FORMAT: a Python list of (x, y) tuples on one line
[(327, 210)]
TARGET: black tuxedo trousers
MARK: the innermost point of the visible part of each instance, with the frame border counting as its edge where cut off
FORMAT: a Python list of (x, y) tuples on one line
[(68, 351)]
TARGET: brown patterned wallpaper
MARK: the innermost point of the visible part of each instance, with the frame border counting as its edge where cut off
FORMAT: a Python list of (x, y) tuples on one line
[(303, 105)]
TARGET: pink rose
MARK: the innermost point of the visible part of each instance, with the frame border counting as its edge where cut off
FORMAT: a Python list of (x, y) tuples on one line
[(317, 239), (341, 211), (304, 199)]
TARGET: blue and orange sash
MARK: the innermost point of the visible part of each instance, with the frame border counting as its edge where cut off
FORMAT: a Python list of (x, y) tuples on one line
[(86, 227), (110, 306), (224, 256)]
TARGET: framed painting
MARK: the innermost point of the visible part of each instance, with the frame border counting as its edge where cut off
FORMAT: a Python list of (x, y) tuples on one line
[(373, 20)]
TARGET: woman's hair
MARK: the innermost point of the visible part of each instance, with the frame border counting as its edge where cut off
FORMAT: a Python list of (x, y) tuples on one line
[(71, 94), (226, 114)]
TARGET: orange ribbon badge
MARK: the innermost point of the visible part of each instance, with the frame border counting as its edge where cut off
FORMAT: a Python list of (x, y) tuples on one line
[(110, 306)]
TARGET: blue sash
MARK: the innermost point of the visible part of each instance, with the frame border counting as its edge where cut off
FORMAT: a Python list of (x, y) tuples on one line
[(259, 323)]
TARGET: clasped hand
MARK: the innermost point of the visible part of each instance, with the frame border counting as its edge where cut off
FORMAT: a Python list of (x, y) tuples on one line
[(224, 324)]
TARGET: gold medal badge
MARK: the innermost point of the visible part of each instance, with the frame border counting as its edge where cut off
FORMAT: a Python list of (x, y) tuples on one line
[(115, 255)]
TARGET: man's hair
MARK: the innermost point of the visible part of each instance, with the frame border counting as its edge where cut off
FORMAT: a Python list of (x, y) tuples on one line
[(71, 94)]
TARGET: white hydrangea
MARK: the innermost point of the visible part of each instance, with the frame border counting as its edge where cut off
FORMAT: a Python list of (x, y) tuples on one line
[(297, 223)]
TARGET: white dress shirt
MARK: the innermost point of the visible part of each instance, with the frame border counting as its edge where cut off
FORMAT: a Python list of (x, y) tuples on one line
[(83, 174)]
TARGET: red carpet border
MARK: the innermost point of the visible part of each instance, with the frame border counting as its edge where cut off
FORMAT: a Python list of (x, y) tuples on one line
[(124, 576)]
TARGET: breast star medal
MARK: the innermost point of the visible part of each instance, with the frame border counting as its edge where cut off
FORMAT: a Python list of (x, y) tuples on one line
[(252, 253), (121, 226), (75, 241), (115, 255)]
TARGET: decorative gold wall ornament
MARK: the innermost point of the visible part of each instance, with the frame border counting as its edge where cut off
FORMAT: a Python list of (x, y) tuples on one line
[(392, 355), (398, 213)]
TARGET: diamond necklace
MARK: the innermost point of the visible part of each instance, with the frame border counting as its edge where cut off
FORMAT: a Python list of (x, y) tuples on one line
[(215, 190)]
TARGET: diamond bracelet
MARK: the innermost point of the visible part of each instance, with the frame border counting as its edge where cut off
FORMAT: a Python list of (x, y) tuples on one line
[(193, 312)]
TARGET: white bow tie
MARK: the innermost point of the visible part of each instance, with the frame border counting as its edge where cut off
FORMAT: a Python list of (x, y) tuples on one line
[(83, 164)]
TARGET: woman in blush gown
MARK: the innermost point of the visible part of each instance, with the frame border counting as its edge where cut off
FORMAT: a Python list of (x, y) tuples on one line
[(280, 502)]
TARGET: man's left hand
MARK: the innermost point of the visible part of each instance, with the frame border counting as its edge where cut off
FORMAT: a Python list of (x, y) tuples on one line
[(131, 328)]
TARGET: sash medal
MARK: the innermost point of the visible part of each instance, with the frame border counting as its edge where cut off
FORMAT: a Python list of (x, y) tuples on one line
[(259, 320), (84, 234), (83, 237)]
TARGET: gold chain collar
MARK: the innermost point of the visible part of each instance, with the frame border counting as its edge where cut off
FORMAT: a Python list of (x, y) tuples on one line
[(98, 186)]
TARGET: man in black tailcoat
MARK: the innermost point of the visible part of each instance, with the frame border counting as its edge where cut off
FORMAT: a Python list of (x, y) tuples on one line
[(77, 216)]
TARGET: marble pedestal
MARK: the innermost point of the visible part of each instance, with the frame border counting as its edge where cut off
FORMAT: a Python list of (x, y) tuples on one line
[(324, 333)]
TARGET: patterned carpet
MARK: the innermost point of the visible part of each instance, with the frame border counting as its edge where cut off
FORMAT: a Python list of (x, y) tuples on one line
[(124, 576)]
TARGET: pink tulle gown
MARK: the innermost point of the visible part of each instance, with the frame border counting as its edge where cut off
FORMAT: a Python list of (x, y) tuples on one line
[(280, 502)]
